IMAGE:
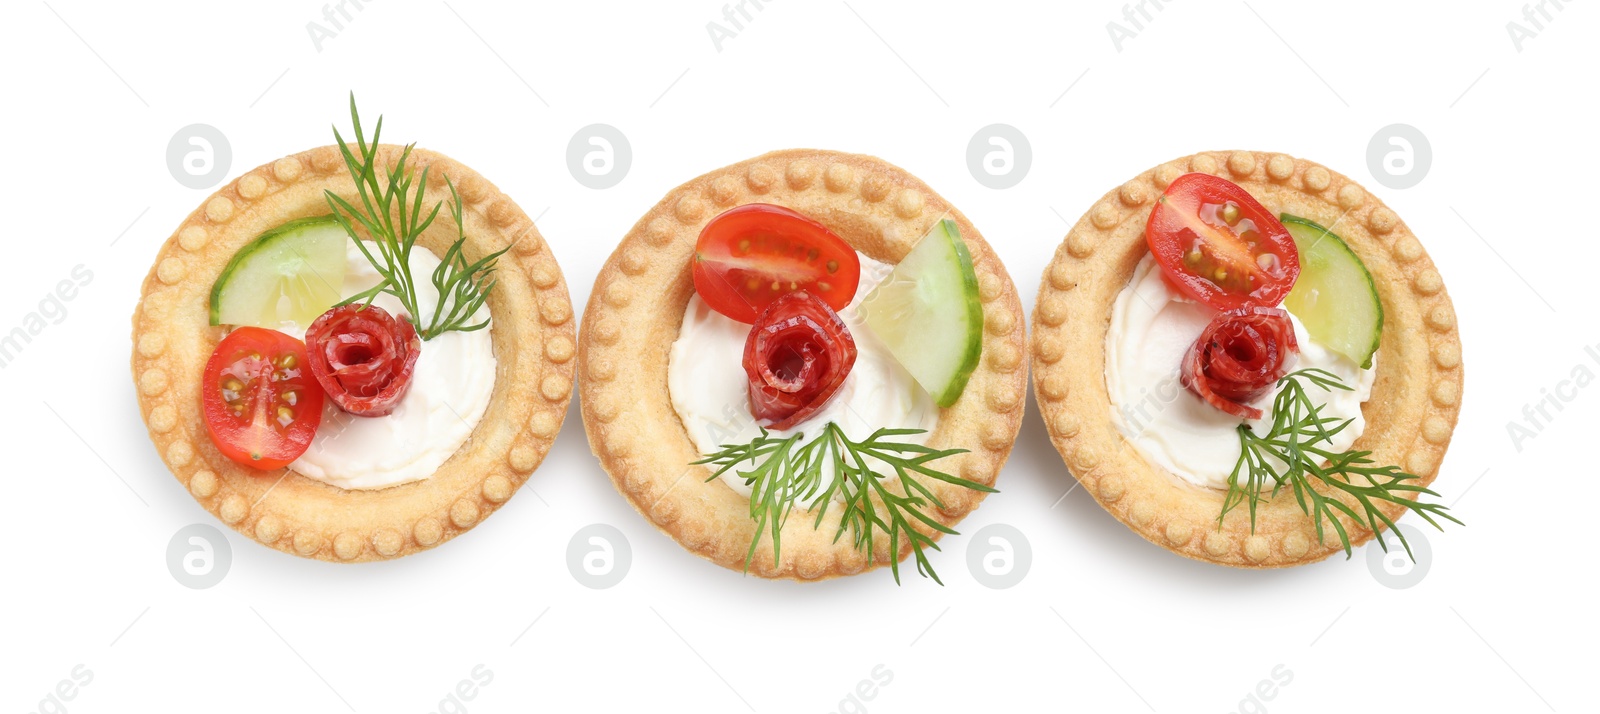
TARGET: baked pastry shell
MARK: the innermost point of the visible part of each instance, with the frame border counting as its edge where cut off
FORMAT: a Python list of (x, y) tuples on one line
[(534, 346), (1410, 416), (636, 310)]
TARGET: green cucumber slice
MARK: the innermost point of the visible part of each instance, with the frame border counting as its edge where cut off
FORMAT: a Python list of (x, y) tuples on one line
[(1334, 297), (292, 273), (928, 313)]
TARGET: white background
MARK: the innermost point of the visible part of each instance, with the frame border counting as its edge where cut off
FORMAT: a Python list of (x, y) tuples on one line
[(1104, 621)]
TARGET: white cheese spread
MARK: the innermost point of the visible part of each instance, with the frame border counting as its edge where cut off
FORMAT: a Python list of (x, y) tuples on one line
[(710, 392), (450, 390), (1152, 326)]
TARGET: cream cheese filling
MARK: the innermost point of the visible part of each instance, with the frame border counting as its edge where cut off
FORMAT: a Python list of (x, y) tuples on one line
[(1152, 326), (449, 393), (710, 392)]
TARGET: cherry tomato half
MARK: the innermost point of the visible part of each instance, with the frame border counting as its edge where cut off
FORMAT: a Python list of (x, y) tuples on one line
[(1217, 244), (749, 256), (260, 403)]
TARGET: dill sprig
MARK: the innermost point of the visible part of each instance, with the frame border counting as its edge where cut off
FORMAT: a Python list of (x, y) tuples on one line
[(1292, 454), (394, 217), (787, 471)]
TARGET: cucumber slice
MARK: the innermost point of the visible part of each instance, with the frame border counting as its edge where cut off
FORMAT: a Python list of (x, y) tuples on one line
[(292, 273), (1334, 296), (927, 312)]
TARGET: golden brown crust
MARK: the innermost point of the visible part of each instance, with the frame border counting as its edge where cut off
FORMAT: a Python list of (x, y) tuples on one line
[(637, 307), (533, 344), (1410, 416)]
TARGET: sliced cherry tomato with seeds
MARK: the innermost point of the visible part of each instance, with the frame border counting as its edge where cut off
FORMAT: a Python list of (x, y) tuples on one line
[(1218, 245), (261, 405), (749, 256)]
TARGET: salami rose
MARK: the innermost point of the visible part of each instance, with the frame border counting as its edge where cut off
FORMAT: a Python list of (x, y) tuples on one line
[(1238, 357), (796, 356), (363, 357)]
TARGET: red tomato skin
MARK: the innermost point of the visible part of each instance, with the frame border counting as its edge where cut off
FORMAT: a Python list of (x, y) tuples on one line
[(253, 438), (1170, 233), (781, 248)]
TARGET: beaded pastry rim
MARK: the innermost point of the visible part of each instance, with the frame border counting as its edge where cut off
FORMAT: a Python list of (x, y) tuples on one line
[(637, 307), (533, 343), (1411, 414)]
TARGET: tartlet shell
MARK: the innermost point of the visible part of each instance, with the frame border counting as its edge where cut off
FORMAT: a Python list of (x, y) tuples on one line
[(1410, 416), (534, 344), (637, 307)]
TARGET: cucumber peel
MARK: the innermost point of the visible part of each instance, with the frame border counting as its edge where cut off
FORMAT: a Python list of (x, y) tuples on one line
[(1335, 296), (928, 313), (292, 273)]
